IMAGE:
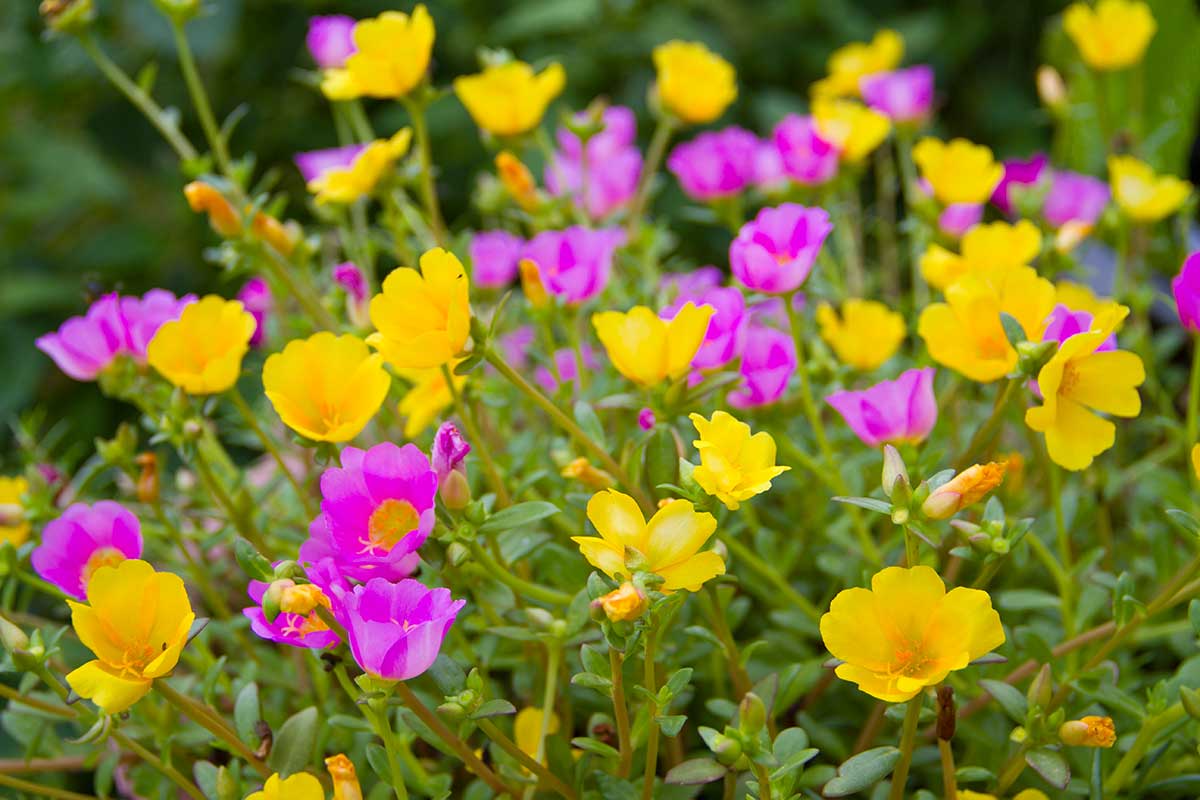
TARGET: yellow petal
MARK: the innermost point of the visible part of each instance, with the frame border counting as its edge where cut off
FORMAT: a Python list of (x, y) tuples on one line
[(1107, 381), (108, 690), (617, 518), (692, 573), (676, 532), (603, 555)]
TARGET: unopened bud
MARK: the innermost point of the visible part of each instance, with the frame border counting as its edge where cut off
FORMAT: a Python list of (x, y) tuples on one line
[(457, 554), (1089, 731), (289, 569), (1032, 356), (1071, 234), (68, 16), (147, 482), (540, 617), (727, 749), (1041, 689), (452, 711), (203, 198), (895, 474), (283, 236), (13, 638), (531, 284), (1051, 89), (947, 713), (964, 489), (517, 179), (590, 476), (752, 714), (345, 778), (272, 601), (623, 604), (455, 491)]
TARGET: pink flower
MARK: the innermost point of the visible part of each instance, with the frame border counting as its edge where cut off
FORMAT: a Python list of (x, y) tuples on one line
[(1074, 198), (256, 297), (84, 539), (566, 366), (1063, 323), (723, 340), (807, 158), (397, 629), (574, 264), (449, 451), (1019, 173), (1186, 288), (315, 163), (957, 219), (330, 40), (769, 172), (686, 284), (358, 297), (904, 95), (768, 361), (776, 250), (646, 419), (114, 326), (903, 410), (376, 511), (515, 346), (613, 164), (715, 164), (298, 630), (494, 257)]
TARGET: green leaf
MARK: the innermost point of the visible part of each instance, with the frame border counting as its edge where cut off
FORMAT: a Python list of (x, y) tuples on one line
[(590, 680), (869, 503), (247, 712), (518, 515), (678, 681), (377, 758), (861, 771), (294, 743), (695, 772), (671, 724), (1010, 698), (594, 662), (447, 674), (1051, 765), (789, 742), (1194, 615), (1185, 521), (593, 746), (494, 708), (973, 775), (1012, 329), (205, 775), (585, 417)]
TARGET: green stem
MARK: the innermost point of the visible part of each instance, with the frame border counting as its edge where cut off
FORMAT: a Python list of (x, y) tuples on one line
[(211, 596), (912, 549), (849, 236), (720, 626), (654, 157), (549, 697), (506, 744), (283, 271), (326, 616), (383, 727), (1063, 539), (478, 442), (534, 591), (985, 433), (248, 415), (1012, 769), (187, 63), (650, 682), (208, 720), (744, 554), (29, 787), (916, 244), (568, 425), (140, 100), (764, 780), (219, 494), (172, 774), (616, 664), (1120, 272), (1151, 727), (908, 739), (416, 113), (885, 202)]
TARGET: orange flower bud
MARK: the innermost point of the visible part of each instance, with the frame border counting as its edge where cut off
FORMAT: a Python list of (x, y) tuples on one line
[(280, 235), (623, 604), (205, 199), (531, 284), (517, 179), (1088, 732), (147, 482), (345, 778), (592, 477), (964, 489)]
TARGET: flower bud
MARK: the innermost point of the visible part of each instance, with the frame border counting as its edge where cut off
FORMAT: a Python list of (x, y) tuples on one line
[(947, 713), (358, 297), (283, 236), (964, 489), (623, 604), (272, 602), (517, 179), (147, 482), (448, 458), (68, 16), (752, 714), (531, 284), (457, 554), (1032, 356), (455, 491), (1089, 731), (222, 216), (1071, 234), (727, 749), (540, 617), (646, 419), (11, 515), (452, 711), (345, 778), (13, 638), (1051, 89), (895, 474), (592, 477)]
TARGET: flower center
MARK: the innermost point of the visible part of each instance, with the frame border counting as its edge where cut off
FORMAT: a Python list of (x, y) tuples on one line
[(1070, 377), (389, 523), (103, 557), (296, 625), (909, 660)]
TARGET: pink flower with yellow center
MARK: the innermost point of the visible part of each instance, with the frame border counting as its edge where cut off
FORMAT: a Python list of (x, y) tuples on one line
[(377, 509), (84, 539)]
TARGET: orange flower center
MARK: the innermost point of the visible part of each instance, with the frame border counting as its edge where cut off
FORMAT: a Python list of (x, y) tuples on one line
[(909, 660), (103, 557), (389, 523), (297, 625)]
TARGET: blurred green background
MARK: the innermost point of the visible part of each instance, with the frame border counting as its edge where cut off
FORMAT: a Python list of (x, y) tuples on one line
[(90, 197)]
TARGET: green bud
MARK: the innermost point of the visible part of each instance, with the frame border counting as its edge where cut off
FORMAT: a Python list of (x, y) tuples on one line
[(13, 638), (273, 597), (895, 475), (457, 554), (727, 749), (1032, 356), (455, 491), (540, 617), (1000, 546), (635, 560), (452, 711), (289, 569), (180, 11), (251, 561), (752, 714), (68, 16), (475, 681), (1042, 687), (475, 513)]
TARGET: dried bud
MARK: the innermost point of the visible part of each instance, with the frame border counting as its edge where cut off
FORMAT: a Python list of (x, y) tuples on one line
[(1042, 687), (1089, 731), (147, 482), (531, 284), (1050, 88), (947, 713), (345, 778), (964, 489), (592, 477), (222, 216), (895, 474), (517, 179), (623, 604)]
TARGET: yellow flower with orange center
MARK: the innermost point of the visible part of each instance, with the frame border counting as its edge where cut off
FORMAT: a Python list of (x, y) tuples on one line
[(865, 335), (958, 171), (202, 351), (1143, 195), (853, 128), (734, 465), (423, 319), (851, 63), (509, 99), (347, 184), (1112, 35), (907, 632), (693, 83), (326, 387), (13, 528), (647, 349), (391, 57)]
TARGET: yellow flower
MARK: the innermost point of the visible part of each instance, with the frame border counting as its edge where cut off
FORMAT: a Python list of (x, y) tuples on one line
[(423, 318), (429, 395), (865, 335), (668, 545), (300, 786), (1078, 297), (508, 99), (965, 332), (1196, 460), (648, 350), (985, 248), (1113, 35), (527, 729), (345, 778), (1078, 380), (392, 55), (517, 180), (906, 632), (11, 490), (590, 476), (201, 352), (136, 623), (347, 184), (623, 604), (1024, 794), (531, 283), (965, 489), (1089, 731), (326, 387), (851, 63), (734, 466), (693, 83), (850, 126), (204, 198), (1141, 194), (958, 171)]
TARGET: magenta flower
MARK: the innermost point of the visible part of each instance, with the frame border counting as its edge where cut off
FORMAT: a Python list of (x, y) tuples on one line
[(613, 164), (298, 630), (449, 451), (903, 410), (1074, 198), (255, 295), (113, 326), (567, 367), (957, 219), (646, 419), (723, 340), (687, 284), (358, 296), (1186, 287), (806, 157), (775, 251), (397, 629), (330, 40), (315, 163), (768, 361), (574, 264), (1063, 323), (494, 258), (715, 164), (769, 173), (83, 539), (903, 95), (376, 510), (1018, 173)]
